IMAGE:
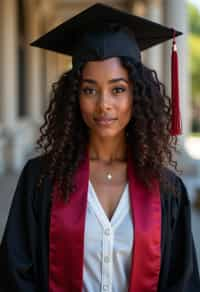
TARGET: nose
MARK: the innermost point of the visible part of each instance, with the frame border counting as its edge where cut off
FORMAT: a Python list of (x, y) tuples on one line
[(104, 101)]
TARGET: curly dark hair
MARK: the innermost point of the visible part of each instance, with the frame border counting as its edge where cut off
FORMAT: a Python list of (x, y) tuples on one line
[(64, 135)]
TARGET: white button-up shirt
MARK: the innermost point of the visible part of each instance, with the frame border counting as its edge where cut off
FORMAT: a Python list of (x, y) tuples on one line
[(107, 245)]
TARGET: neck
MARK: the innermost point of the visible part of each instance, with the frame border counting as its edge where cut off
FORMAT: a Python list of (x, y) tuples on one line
[(108, 149)]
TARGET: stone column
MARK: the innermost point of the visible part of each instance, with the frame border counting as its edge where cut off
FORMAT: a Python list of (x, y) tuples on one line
[(2, 140), (138, 7), (34, 88), (175, 15), (153, 56), (9, 46), (1, 58), (9, 79)]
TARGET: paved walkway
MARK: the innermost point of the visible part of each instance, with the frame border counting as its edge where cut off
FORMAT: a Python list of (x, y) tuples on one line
[(7, 187)]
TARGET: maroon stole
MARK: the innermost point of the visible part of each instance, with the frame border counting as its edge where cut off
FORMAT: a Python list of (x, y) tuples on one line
[(66, 242)]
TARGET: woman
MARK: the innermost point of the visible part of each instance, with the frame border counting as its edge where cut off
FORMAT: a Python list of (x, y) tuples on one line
[(99, 210)]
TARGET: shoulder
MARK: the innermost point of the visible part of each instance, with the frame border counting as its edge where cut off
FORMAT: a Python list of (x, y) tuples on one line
[(27, 187), (33, 167), (173, 190), (174, 200), (31, 172), (34, 164), (172, 182)]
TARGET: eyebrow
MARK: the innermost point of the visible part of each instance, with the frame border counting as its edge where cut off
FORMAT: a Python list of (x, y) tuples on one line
[(110, 81)]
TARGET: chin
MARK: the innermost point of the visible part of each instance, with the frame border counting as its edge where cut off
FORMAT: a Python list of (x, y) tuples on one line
[(106, 133)]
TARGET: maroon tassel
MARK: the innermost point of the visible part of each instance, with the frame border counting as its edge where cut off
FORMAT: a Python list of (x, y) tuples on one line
[(176, 127)]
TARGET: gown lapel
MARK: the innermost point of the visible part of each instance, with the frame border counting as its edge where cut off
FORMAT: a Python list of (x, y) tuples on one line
[(146, 215), (66, 234)]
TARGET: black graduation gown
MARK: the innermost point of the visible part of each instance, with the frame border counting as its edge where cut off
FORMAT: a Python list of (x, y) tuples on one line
[(24, 247)]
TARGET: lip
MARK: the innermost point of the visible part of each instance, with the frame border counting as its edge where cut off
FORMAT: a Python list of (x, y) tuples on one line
[(104, 121)]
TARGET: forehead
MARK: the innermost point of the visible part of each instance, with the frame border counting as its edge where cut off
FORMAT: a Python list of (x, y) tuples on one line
[(110, 67)]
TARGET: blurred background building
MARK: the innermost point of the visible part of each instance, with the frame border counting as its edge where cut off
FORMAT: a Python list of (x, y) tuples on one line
[(26, 75)]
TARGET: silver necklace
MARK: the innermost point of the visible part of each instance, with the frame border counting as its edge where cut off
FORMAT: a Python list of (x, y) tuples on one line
[(109, 176)]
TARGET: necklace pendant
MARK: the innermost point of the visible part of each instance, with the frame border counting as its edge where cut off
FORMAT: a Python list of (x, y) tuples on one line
[(109, 176)]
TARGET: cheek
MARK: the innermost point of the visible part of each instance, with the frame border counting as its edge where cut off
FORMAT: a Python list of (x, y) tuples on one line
[(86, 109), (126, 109)]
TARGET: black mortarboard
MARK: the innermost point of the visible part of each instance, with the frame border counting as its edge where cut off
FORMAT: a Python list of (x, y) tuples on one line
[(101, 32), (87, 34)]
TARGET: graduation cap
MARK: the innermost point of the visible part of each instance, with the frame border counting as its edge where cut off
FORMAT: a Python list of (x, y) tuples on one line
[(101, 32)]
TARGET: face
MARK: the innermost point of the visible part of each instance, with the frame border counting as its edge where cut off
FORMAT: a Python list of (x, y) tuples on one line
[(106, 97)]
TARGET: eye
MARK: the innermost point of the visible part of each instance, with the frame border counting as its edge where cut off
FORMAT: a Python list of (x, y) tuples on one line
[(88, 90), (117, 90)]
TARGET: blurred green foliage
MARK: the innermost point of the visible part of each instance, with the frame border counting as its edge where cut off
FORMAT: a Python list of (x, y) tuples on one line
[(194, 47), (194, 19), (194, 63)]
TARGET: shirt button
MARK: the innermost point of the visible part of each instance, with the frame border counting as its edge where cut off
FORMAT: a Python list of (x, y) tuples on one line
[(105, 287), (106, 259), (107, 231)]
